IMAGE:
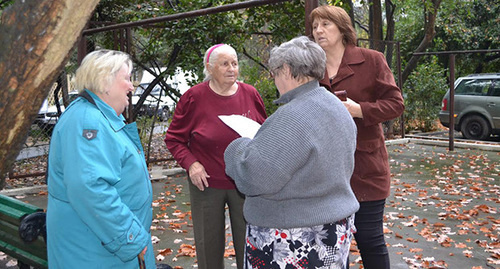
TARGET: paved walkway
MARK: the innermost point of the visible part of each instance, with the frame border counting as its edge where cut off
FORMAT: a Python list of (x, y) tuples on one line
[(442, 212)]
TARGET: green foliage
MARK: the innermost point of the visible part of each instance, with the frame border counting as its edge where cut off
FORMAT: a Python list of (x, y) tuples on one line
[(5, 3), (470, 25), (461, 25), (423, 92), (144, 125), (182, 43), (409, 17), (263, 82)]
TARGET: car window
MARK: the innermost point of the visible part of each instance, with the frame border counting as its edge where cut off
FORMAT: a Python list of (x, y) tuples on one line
[(140, 89), (477, 87), (495, 88), (156, 90)]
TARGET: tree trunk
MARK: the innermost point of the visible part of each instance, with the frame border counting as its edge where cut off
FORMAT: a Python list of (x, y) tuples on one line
[(389, 11), (376, 25), (36, 38), (350, 11), (430, 32)]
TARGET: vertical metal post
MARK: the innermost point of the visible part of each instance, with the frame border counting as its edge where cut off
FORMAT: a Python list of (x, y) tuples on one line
[(121, 40), (82, 48), (310, 5), (451, 103), (128, 35), (115, 40), (130, 109), (400, 84)]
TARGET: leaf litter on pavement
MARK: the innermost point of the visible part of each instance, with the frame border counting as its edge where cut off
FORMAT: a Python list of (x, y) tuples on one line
[(449, 200), (443, 205), (446, 200), (173, 215)]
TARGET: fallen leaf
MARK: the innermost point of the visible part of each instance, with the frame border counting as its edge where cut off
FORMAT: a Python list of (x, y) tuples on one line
[(165, 252)]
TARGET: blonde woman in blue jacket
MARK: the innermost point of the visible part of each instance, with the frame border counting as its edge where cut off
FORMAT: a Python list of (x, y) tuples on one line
[(99, 206)]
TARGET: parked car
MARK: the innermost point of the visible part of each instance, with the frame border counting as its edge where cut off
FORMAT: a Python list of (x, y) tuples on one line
[(148, 108), (178, 82), (48, 115), (477, 106)]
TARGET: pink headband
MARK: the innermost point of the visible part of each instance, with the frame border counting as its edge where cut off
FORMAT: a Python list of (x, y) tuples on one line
[(212, 49)]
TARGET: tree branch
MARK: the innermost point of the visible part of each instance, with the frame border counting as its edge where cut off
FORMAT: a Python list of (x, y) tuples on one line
[(254, 60)]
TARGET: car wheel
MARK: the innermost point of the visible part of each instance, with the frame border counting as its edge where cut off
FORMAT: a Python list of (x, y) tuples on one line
[(475, 127)]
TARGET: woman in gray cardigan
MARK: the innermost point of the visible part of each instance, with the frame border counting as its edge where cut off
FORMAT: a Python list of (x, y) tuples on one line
[(299, 206)]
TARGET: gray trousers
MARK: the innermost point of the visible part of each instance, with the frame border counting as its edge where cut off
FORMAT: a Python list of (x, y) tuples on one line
[(208, 209)]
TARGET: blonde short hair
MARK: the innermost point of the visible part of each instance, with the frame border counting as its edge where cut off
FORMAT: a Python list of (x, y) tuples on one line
[(98, 70)]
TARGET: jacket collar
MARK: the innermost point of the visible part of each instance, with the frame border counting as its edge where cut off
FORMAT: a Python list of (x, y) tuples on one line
[(301, 90), (352, 56), (117, 122)]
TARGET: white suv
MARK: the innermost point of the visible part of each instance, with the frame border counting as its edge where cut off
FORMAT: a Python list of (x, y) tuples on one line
[(151, 102), (48, 115)]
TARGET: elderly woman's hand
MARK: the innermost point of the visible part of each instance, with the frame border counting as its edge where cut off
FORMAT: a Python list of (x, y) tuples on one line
[(198, 175), (353, 108)]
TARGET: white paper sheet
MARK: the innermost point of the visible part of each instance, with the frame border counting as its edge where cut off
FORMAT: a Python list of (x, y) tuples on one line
[(242, 125)]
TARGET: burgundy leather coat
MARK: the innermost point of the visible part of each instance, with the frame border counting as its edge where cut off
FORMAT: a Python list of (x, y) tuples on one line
[(368, 80)]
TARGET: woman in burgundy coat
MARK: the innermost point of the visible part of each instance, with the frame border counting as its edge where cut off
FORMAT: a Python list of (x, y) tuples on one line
[(372, 98)]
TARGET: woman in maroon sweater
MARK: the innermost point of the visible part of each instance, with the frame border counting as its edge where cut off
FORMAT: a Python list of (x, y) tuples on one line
[(197, 139), (372, 98)]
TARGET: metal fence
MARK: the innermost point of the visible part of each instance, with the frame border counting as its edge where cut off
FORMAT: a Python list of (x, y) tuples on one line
[(152, 120), (151, 109)]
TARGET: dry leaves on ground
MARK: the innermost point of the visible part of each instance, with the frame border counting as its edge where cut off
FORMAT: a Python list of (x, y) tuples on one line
[(456, 197)]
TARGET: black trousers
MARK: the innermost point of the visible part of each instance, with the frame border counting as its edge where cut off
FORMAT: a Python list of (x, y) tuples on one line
[(370, 235)]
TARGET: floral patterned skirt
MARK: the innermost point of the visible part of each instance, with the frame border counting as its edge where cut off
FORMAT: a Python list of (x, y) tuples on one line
[(322, 246)]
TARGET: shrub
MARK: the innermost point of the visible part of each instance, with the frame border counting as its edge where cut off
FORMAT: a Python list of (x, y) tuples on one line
[(423, 92)]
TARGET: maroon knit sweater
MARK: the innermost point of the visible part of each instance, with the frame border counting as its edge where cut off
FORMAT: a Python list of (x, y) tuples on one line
[(197, 134)]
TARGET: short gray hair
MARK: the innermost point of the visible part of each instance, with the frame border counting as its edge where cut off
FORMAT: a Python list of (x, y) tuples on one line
[(304, 57), (211, 56), (98, 70)]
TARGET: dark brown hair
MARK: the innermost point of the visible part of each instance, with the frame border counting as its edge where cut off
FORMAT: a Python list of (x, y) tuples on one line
[(338, 16)]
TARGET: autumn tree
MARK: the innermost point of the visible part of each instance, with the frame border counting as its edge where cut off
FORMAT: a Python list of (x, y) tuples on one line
[(182, 43), (430, 13), (36, 38), (470, 25)]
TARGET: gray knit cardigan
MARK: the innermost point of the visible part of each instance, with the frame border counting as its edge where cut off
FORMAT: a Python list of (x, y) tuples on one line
[(295, 173)]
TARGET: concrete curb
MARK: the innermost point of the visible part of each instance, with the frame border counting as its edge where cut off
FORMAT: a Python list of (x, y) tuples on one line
[(444, 143), (19, 191), (156, 175)]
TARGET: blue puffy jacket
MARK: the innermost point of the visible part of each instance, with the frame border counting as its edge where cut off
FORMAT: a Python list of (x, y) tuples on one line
[(99, 209)]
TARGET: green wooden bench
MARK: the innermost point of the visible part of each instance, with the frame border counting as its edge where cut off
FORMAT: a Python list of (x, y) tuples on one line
[(22, 234)]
